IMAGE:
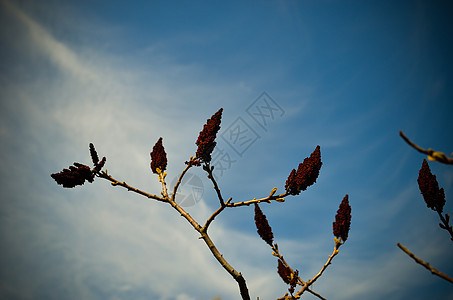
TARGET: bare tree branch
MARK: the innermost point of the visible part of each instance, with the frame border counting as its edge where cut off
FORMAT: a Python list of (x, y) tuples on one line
[(328, 262), (202, 230), (425, 264), (115, 182), (432, 154), (277, 254), (268, 199)]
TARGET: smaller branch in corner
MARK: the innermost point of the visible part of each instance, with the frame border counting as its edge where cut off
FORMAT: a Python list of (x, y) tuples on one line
[(432, 154), (446, 224), (425, 264)]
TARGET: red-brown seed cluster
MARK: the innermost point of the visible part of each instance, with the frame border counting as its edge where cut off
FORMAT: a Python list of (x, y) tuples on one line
[(263, 228), (427, 183), (284, 271), (75, 175), (95, 158), (342, 220), (78, 173), (293, 282), (306, 174), (158, 157), (94, 154), (206, 139)]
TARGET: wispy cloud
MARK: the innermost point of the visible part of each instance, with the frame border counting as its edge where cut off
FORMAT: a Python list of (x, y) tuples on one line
[(56, 51)]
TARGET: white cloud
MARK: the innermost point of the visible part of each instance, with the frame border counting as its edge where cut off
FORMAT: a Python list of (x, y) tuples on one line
[(56, 51)]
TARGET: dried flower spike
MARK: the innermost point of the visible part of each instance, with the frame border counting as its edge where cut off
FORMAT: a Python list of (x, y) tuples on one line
[(263, 228), (427, 183), (95, 158), (284, 272), (206, 139), (94, 155), (291, 184), (158, 158), (342, 220), (306, 174), (308, 171), (75, 175), (100, 165)]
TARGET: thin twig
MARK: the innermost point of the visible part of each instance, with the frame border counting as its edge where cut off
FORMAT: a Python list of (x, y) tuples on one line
[(328, 262), (268, 199), (445, 220), (432, 154), (210, 176), (316, 294), (115, 182), (209, 170), (425, 264), (215, 214), (277, 254), (162, 176), (179, 180)]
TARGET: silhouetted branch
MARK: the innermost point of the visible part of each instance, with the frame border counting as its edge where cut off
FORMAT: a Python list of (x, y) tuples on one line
[(425, 264), (433, 196), (215, 214), (268, 199), (115, 182), (276, 253), (324, 267), (173, 196), (446, 224), (432, 154)]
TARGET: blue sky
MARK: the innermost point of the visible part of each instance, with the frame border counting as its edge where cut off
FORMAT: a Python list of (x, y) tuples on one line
[(345, 75)]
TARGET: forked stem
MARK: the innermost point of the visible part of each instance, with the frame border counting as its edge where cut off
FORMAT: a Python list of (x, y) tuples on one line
[(202, 230)]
